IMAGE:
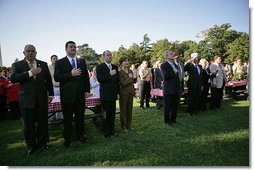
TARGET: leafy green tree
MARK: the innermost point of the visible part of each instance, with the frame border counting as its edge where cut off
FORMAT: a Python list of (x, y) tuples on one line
[(238, 49), (136, 52), (183, 47), (159, 48), (91, 57), (193, 47), (216, 41)]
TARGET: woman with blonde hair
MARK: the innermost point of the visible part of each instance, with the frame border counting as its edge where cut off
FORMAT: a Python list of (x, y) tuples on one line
[(95, 84)]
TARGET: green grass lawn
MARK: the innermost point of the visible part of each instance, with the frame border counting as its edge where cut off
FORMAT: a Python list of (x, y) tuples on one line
[(210, 138)]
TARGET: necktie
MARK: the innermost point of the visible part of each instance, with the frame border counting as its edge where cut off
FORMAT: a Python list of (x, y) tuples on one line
[(31, 65), (173, 66), (109, 66), (72, 63), (179, 71), (197, 69)]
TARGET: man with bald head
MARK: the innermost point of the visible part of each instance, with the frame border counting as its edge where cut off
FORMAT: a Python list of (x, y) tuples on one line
[(35, 92), (108, 77)]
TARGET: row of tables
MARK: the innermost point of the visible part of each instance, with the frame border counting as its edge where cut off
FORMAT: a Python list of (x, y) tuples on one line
[(91, 102), (230, 85)]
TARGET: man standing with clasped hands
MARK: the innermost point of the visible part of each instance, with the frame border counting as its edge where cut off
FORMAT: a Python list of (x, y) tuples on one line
[(35, 92), (72, 74)]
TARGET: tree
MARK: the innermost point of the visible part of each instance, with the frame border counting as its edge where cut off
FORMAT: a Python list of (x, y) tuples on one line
[(91, 57), (239, 49), (136, 52), (193, 47), (159, 48), (217, 39)]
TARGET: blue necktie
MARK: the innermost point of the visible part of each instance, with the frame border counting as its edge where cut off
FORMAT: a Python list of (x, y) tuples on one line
[(72, 63)]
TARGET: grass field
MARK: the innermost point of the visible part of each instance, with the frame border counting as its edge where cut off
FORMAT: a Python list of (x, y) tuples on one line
[(219, 138)]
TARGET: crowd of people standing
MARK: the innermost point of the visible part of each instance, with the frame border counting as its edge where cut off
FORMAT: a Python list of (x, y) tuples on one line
[(34, 85)]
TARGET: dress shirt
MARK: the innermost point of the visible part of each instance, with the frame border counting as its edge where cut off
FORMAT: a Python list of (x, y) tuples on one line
[(173, 66), (34, 65), (196, 65), (109, 65), (75, 60)]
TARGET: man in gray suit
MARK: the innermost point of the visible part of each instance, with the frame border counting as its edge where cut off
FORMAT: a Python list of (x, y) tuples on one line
[(35, 92)]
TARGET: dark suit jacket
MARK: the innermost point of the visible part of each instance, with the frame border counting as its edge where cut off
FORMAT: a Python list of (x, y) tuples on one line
[(158, 78), (31, 89), (195, 80), (109, 85), (171, 83), (72, 88)]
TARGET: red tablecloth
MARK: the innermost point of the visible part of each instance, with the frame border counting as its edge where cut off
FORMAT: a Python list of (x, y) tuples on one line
[(56, 106), (236, 83), (159, 92)]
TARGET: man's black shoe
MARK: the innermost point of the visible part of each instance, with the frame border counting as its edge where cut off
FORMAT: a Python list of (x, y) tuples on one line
[(142, 107)]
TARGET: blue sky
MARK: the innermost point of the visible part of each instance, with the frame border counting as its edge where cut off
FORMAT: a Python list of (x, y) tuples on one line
[(49, 24)]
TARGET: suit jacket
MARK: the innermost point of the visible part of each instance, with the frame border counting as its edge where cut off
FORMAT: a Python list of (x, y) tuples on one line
[(109, 85), (72, 89), (126, 82), (158, 78), (32, 90), (195, 79), (221, 75), (171, 83), (181, 75)]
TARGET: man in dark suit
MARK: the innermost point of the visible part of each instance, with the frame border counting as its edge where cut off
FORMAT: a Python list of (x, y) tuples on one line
[(35, 92), (108, 77), (171, 88), (194, 83), (72, 74)]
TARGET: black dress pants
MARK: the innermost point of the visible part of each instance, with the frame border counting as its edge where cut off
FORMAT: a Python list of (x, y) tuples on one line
[(78, 109), (145, 95), (108, 117), (35, 125), (193, 100), (171, 102)]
